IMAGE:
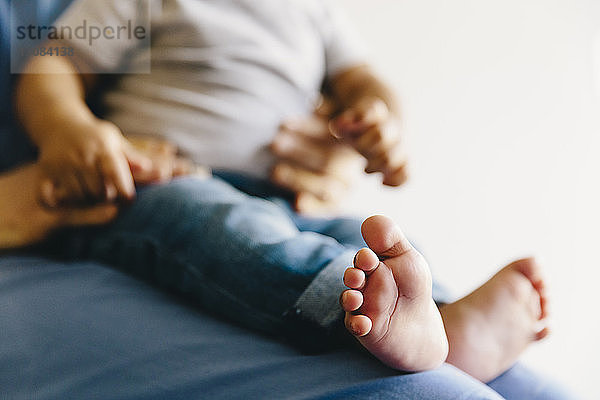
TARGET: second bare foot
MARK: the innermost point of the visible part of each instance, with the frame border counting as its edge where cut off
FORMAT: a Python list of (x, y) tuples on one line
[(489, 329)]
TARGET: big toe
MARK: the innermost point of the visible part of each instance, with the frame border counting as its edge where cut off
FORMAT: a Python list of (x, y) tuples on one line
[(534, 273), (531, 269), (384, 237), (409, 270)]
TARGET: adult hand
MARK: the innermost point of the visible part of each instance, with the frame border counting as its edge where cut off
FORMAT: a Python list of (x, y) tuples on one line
[(24, 221), (166, 163), (162, 164), (374, 131), (313, 164), (89, 163)]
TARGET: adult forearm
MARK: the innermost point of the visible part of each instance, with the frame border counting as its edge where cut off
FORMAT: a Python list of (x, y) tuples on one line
[(50, 98)]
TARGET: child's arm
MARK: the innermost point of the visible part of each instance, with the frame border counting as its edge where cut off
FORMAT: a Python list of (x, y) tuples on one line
[(369, 121), (84, 158)]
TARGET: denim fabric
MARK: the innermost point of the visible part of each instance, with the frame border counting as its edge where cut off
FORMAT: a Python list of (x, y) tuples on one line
[(344, 230), (239, 256), (520, 382), (176, 236), (85, 331), (248, 258), (15, 148)]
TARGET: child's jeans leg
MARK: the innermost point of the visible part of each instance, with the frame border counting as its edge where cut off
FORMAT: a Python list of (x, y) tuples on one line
[(239, 256), (345, 230)]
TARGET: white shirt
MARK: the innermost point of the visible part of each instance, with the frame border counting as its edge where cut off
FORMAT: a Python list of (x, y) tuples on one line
[(224, 73)]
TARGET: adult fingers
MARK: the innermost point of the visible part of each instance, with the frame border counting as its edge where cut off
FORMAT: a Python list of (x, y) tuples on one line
[(393, 165), (354, 121), (183, 167), (117, 172), (70, 189), (302, 151), (161, 171), (370, 145), (396, 177), (138, 162), (325, 108), (370, 111), (313, 127), (165, 163), (92, 183), (307, 203), (58, 187), (377, 140), (300, 180), (391, 159), (47, 193), (153, 146)]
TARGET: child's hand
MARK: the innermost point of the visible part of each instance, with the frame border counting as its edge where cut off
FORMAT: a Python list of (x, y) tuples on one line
[(89, 164), (374, 132)]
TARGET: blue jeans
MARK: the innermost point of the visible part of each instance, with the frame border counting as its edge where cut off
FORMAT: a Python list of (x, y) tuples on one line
[(246, 257), (251, 259), (242, 257)]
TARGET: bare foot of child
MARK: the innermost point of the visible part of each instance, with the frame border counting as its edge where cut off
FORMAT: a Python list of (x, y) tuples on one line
[(389, 306), (490, 328)]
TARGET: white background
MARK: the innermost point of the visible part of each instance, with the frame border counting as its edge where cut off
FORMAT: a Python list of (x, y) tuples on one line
[(501, 105)]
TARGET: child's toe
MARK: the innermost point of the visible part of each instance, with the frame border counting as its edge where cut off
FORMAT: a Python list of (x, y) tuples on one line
[(354, 278), (351, 300), (384, 237), (366, 260), (358, 325), (532, 270)]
